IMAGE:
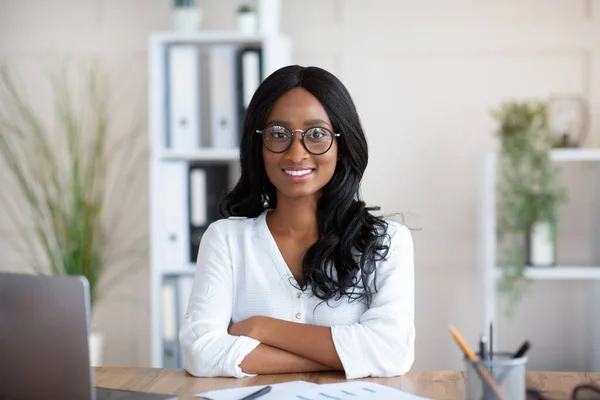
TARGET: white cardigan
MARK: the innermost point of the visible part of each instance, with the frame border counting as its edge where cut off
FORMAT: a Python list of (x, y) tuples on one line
[(241, 273)]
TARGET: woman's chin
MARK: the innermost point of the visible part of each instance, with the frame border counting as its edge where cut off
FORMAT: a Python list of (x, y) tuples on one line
[(298, 193)]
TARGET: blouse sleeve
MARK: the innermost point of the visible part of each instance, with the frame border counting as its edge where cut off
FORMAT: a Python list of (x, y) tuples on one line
[(382, 342), (208, 349)]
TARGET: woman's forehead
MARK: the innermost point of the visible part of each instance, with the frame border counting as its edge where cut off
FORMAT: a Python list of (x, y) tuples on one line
[(298, 107)]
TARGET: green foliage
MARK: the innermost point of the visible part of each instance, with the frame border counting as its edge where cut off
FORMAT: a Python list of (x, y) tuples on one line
[(528, 188), (61, 176), (184, 3), (244, 8)]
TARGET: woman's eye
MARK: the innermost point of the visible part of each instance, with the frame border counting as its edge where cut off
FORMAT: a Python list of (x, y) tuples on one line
[(278, 135), (317, 134)]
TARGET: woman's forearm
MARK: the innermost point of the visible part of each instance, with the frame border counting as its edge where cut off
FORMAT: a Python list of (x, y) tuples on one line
[(307, 341), (265, 359)]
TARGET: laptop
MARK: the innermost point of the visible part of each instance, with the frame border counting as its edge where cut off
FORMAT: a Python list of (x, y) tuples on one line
[(44, 353)]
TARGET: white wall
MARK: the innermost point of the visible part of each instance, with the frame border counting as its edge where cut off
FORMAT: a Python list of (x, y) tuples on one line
[(424, 75)]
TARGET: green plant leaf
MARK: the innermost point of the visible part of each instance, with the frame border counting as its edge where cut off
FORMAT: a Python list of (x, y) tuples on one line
[(528, 189), (62, 178)]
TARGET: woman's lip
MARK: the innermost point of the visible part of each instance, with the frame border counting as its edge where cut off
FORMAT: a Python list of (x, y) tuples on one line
[(297, 168), (300, 178)]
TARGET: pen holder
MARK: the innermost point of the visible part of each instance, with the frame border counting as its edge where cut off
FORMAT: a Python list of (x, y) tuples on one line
[(507, 372)]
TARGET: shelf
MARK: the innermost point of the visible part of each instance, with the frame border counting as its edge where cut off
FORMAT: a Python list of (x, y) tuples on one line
[(190, 270), (576, 155), (212, 37), (225, 155), (561, 273)]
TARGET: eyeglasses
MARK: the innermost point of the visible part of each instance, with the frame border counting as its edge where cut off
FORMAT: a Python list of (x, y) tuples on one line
[(316, 140)]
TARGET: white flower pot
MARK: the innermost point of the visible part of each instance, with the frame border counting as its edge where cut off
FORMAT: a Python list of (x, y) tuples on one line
[(246, 22), (269, 16), (187, 19), (541, 245), (96, 343)]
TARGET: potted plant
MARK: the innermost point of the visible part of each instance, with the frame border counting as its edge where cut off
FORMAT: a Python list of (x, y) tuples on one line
[(58, 204), (187, 17), (528, 192), (246, 19)]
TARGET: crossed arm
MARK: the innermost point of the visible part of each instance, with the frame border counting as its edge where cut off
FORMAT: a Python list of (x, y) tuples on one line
[(380, 344), (287, 346)]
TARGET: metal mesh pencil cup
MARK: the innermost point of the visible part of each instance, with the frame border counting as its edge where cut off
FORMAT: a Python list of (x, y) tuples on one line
[(508, 372)]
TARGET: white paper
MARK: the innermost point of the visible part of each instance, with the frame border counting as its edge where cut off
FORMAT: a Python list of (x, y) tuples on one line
[(300, 390), (356, 390), (278, 391)]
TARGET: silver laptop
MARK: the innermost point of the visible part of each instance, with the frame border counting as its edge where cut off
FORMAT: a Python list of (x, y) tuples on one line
[(44, 353)]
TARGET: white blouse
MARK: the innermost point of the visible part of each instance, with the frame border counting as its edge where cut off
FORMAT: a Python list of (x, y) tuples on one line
[(241, 273)]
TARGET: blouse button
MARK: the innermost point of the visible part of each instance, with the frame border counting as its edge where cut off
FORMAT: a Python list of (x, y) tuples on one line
[(298, 315), (298, 295)]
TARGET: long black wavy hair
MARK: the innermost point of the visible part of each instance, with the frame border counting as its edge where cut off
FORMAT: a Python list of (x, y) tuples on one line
[(351, 238)]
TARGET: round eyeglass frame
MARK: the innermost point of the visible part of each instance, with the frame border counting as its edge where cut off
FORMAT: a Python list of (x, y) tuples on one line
[(333, 136)]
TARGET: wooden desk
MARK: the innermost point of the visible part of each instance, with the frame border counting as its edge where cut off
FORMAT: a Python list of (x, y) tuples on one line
[(440, 385)]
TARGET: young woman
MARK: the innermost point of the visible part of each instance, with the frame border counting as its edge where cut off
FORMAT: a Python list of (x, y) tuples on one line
[(301, 276)]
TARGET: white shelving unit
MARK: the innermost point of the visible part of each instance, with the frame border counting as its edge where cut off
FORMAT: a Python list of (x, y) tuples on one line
[(275, 53), (230, 155), (488, 271), (561, 273)]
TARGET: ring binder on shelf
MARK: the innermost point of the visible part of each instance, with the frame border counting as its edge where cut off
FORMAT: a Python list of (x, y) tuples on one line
[(211, 182), (183, 97)]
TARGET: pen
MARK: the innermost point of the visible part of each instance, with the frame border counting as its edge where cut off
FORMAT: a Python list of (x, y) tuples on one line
[(482, 347), (491, 341), (257, 394), (522, 350), (480, 369), (520, 353)]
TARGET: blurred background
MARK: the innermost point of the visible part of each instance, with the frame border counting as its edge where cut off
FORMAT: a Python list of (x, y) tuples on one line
[(517, 188)]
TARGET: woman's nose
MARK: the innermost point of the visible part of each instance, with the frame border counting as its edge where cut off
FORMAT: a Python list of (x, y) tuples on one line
[(296, 153)]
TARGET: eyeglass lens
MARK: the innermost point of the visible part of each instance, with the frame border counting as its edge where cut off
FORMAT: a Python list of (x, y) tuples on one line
[(278, 139)]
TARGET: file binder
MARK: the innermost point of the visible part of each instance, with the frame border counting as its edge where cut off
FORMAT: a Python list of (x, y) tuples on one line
[(212, 180), (176, 213), (198, 207), (184, 290), (249, 67), (171, 346), (183, 97), (223, 92)]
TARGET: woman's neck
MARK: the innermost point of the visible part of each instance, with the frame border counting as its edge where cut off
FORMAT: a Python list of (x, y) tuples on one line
[(294, 217)]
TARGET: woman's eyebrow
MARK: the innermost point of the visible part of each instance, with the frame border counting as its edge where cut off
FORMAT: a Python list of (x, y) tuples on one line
[(278, 122), (316, 122)]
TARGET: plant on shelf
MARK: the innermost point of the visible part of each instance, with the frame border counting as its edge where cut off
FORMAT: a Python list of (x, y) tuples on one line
[(528, 190), (60, 176), (186, 16), (244, 9), (246, 19), (184, 3)]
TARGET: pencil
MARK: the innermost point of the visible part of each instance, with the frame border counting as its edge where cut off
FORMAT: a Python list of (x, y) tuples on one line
[(480, 368)]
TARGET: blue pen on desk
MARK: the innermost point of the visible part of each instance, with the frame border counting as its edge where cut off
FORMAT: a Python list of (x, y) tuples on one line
[(257, 394)]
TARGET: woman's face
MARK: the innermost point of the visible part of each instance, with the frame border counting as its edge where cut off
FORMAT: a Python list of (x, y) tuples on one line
[(296, 172)]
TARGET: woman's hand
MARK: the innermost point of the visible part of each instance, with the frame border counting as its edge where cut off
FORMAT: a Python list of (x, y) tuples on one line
[(249, 327)]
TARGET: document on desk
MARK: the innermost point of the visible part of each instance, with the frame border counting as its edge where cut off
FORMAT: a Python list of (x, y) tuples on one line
[(301, 390)]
